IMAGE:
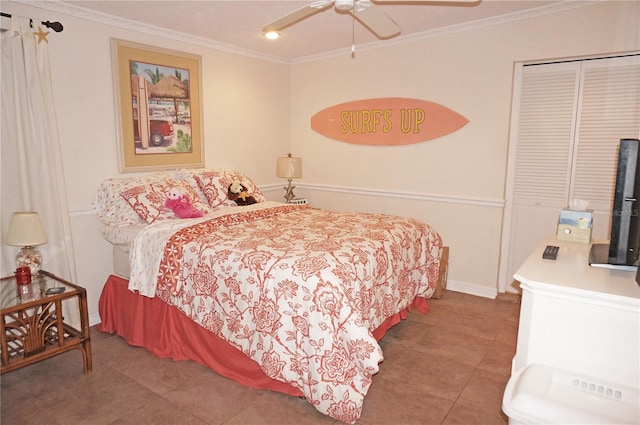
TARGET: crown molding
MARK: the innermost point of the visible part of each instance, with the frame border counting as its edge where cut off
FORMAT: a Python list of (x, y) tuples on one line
[(115, 21), (103, 18)]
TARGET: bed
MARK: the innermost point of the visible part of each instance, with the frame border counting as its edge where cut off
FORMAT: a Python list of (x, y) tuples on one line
[(275, 296)]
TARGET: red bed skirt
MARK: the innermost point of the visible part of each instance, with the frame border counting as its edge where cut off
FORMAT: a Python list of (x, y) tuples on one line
[(167, 332)]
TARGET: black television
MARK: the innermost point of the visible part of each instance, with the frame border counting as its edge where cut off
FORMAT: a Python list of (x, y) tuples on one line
[(623, 250)]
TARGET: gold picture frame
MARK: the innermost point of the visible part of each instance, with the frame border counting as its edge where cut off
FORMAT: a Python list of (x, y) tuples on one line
[(158, 107)]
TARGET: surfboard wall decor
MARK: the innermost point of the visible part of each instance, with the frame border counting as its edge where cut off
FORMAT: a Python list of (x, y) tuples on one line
[(387, 121)]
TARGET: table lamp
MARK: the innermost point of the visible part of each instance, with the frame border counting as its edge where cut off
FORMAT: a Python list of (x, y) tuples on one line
[(25, 230), (289, 167)]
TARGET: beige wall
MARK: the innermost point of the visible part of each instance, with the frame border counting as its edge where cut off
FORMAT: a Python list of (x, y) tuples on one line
[(256, 110), (456, 182)]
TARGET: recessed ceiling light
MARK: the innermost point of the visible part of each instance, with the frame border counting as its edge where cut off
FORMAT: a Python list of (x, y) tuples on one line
[(272, 35)]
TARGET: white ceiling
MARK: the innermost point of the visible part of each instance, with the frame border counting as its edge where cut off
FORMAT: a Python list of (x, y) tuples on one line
[(237, 24)]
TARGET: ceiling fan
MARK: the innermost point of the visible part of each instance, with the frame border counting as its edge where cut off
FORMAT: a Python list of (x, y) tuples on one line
[(364, 11)]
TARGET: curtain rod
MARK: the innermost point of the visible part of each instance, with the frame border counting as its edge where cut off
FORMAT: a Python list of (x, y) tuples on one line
[(56, 26)]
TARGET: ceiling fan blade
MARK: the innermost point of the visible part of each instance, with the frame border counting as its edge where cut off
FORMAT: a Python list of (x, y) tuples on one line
[(376, 21), (298, 15)]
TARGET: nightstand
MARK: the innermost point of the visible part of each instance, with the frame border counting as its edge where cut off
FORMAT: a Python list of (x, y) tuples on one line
[(32, 323)]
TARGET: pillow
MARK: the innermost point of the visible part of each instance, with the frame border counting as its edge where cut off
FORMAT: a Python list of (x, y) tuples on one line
[(111, 208), (148, 200), (215, 183), (187, 174)]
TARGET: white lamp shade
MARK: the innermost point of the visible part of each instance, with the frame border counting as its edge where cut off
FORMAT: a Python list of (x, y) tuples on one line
[(25, 229), (289, 167)]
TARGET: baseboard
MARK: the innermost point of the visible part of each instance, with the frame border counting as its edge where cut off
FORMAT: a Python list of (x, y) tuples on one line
[(472, 289)]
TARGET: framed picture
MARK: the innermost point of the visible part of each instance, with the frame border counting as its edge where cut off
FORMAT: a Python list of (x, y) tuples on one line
[(158, 107)]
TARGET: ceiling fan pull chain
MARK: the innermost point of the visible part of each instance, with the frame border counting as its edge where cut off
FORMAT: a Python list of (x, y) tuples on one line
[(353, 37)]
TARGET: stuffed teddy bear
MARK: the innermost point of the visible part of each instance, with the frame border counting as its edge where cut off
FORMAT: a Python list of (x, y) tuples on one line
[(181, 205), (237, 192)]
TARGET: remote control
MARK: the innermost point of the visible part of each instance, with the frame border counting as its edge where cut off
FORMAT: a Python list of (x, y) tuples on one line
[(55, 291), (550, 252)]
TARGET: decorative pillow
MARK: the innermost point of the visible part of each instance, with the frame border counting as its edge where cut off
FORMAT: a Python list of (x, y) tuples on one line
[(187, 174), (111, 208), (148, 200), (215, 183)]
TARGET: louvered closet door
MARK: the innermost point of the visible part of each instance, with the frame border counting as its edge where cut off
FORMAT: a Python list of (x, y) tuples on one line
[(567, 122), (609, 110)]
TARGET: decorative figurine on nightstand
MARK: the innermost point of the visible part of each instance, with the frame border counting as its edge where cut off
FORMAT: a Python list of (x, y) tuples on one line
[(25, 230)]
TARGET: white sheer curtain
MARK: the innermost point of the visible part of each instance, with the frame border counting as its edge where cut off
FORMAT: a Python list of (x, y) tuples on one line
[(31, 168)]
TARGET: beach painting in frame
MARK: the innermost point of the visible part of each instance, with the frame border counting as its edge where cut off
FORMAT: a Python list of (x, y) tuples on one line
[(158, 105)]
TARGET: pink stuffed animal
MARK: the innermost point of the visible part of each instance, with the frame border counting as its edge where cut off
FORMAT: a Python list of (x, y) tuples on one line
[(181, 205)]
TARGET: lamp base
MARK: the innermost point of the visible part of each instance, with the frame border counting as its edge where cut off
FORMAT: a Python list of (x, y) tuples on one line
[(29, 256), (288, 196)]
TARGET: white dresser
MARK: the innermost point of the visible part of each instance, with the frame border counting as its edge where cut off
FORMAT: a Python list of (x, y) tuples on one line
[(578, 353)]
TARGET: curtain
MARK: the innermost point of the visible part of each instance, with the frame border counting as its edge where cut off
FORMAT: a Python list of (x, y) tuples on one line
[(31, 169)]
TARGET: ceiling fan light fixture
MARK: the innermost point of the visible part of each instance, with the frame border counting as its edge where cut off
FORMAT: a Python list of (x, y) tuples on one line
[(344, 4), (271, 35)]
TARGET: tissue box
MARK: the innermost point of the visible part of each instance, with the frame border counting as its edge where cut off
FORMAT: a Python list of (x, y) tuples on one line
[(575, 225)]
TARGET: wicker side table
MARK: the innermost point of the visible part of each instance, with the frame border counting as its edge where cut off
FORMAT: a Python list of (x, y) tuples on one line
[(32, 324)]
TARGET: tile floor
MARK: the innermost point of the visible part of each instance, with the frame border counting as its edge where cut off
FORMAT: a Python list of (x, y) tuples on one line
[(448, 367)]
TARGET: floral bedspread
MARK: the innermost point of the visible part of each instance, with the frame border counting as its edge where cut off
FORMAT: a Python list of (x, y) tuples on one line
[(298, 290)]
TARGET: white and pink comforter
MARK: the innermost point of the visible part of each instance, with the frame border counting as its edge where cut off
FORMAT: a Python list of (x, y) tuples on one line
[(298, 290)]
